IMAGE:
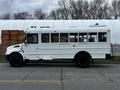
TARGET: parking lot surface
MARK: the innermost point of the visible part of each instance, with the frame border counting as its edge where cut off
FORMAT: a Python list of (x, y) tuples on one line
[(60, 76)]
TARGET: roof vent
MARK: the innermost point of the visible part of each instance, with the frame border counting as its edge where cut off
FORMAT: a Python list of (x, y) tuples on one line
[(44, 26), (97, 25), (33, 27)]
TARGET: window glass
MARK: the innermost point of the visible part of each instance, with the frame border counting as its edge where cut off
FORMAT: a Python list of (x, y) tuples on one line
[(64, 37), (83, 37), (45, 38), (73, 37), (54, 37), (32, 38), (102, 36), (92, 37)]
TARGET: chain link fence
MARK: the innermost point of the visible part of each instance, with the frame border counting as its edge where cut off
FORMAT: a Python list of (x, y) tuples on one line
[(115, 49)]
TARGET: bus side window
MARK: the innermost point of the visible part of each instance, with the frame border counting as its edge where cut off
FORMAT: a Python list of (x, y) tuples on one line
[(63, 37), (45, 38), (83, 37), (32, 38), (54, 37), (102, 37), (92, 37), (73, 37)]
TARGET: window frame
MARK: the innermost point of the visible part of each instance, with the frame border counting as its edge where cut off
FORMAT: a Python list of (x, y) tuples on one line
[(92, 37), (76, 37), (102, 39), (83, 38), (57, 39), (67, 34), (32, 38), (48, 37)]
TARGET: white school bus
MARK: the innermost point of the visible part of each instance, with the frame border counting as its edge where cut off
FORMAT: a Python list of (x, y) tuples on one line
[(81, 45)]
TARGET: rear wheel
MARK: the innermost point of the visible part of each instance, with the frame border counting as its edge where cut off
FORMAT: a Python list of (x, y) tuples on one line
[(16, 60), (82, 59)]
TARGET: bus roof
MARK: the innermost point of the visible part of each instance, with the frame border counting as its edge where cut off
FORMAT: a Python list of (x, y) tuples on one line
[(68, 30)]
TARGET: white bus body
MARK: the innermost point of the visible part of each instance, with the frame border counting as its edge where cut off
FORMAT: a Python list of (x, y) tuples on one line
[(62, 43)]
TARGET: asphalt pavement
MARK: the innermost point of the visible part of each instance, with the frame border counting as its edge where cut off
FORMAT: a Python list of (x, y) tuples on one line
[(60, 76)]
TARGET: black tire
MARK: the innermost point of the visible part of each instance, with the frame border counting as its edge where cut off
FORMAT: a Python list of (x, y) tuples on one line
[(82, 60), (16, 60)]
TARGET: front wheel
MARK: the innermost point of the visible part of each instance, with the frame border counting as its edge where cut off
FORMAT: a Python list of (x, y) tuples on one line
[(82, 60), (16, 60)]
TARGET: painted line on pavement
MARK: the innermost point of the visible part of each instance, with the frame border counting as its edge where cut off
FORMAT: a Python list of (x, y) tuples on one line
[(30, 81)]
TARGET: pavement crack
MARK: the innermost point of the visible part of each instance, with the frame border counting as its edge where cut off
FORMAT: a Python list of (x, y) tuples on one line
[(110, 80), (61, 79), (25, 77), (105, 77)]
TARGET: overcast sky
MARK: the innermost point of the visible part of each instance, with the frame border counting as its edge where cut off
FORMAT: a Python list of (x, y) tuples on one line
[(26, 5)]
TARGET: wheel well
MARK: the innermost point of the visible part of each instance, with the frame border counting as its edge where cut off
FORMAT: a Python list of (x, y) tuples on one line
[(83, 52), (14, 53)]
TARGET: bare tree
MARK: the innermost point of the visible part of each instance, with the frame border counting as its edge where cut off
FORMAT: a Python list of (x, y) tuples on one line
[(62, 12), (22, 15), (63, 9), (119, 7), (85, 13), (5, 16), (106, 12), (55, 14), (95, 9), (82, 9), (39, 14), (99, 9), (73, 9), (116, 8)]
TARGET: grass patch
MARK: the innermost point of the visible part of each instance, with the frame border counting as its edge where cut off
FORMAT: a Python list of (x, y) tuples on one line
[(114, 60), (2, 59)]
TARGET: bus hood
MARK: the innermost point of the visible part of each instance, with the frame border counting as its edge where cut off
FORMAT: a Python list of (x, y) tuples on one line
[(14, 48)]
